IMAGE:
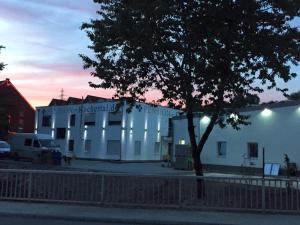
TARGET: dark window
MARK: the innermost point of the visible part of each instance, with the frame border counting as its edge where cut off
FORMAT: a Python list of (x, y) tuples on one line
[(46, 122), (90, 119), (36, 144), (253, 150), (60, 133), (114, 118), (28, 142), (137, 147), (21, 122), (88, 146), (72, 120), (221, 149), (71, 145)]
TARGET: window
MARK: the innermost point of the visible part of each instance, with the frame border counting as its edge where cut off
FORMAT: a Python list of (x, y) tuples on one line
[(221, 148), (181, 141), (72, 120), (156, 147), (113, 147), (90, 119), (21, 121), (137, 148), (27, 142), (87, 146), (36, 144), (71, 145), (46, 121), (114, 118), (252, 150), (60, 133)]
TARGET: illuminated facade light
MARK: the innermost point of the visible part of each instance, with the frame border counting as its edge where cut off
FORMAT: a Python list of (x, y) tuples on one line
[(205, 119), (266, 112), (181, 141), (234, 116)]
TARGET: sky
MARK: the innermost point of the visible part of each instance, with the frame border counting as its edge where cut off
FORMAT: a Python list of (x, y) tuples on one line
[(42, 40)]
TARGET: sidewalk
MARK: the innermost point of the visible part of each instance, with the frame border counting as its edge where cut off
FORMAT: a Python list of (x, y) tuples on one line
[(140, 216)]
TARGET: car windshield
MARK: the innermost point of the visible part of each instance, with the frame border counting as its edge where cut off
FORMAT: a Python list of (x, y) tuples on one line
[(48, 143), (4, 145)]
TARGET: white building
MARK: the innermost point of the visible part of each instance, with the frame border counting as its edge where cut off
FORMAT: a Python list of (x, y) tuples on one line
[(93, 130), (274, 127)]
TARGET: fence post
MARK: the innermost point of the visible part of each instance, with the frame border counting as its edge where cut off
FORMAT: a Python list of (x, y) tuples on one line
[(263, 195), (179, 192), (29, 186), (102, 189)]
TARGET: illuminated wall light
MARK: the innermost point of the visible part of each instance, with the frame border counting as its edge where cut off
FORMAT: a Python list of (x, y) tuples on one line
[(234, 116), (52, 133), (35, 131), (68, 133), (131, 130), (85, 132), (181, 141), (266, 112), (205, 119)]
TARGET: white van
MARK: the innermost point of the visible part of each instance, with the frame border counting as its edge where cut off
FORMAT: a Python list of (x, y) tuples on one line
[(29, 145)]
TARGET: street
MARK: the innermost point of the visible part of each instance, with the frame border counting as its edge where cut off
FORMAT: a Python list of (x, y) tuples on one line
[(38, 221)]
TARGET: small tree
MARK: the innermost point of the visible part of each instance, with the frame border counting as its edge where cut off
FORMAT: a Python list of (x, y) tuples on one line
[(208, 53)]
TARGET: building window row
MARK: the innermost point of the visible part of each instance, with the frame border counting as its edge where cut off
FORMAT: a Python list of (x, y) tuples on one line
[(252, 149), (89, 119)]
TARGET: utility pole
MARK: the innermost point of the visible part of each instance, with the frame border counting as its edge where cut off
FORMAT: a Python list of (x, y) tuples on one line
[(62, 95)]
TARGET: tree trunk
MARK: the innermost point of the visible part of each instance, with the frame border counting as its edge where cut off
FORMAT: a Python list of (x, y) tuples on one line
[(197, 149)]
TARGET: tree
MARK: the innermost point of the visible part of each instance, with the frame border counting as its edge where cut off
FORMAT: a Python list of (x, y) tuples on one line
[(294, 96), (213, 54), (4, 121), (1, 63)]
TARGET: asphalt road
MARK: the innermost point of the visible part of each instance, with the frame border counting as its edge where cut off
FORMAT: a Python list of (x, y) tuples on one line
[(7, 220), (42, 221)]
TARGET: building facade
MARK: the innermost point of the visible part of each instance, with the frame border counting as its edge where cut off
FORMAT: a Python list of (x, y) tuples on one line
[(92, 129), (274, 128), (16, 114)]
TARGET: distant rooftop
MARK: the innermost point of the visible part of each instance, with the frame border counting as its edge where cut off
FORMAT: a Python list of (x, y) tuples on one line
[(75, 101), (261, 106)]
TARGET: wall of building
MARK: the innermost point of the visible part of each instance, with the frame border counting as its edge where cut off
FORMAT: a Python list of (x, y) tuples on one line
[(277, 130), (15, 109), (136, 134)]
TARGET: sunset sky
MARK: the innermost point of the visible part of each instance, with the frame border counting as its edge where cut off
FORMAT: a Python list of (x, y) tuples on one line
[(43, 40)]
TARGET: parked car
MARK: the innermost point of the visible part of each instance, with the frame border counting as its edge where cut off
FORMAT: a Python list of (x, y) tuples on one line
[(4, 149), (31, 146)]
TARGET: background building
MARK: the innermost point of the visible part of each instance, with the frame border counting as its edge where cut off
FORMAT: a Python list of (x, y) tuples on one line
[(274, 127), (16, 114), (92, 128)]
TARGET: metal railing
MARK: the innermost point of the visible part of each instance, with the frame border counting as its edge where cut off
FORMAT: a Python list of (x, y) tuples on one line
[(230, 193)]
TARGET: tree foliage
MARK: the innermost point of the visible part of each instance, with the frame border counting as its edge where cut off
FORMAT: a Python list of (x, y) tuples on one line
[(217, 54), (1, 63), (294, 96)]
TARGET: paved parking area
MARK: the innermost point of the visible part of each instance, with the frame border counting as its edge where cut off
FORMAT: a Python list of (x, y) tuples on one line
[(154, 168)]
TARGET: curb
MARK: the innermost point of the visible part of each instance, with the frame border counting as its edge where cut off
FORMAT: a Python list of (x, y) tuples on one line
[(104, 219)]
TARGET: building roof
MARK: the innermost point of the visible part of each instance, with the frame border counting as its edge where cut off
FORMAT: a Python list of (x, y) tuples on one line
[(57, 102), (7, 83), (75, 101), (262, 106), (91, 98)]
